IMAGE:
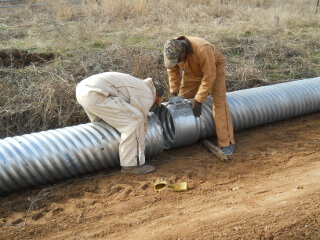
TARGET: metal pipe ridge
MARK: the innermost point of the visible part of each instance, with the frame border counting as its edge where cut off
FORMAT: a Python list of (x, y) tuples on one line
[(256, 106), (52, 155), (248, 108)]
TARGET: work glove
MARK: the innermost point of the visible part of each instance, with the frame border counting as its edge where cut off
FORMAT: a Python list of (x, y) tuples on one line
[(165, 184), (196, 107), (173, 95), (159, 101)]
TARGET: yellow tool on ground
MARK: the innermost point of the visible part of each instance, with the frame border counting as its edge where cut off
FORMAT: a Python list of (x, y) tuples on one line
[(165, 184)]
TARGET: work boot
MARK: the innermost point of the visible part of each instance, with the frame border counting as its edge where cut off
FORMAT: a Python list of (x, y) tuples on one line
[(228, 150), (144, 169)]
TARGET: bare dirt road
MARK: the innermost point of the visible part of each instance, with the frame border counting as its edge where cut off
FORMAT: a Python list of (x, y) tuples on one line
[(269, 190)]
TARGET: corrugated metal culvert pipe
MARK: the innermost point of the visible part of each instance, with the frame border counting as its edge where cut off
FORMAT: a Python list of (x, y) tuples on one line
[(48, 156), (52, 155), (249, 107)]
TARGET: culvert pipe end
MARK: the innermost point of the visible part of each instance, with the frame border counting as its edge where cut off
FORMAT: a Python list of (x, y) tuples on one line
[(180, 127), (179, 124)]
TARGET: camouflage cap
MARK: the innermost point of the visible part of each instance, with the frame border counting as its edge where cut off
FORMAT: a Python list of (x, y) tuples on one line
[(172, 50)]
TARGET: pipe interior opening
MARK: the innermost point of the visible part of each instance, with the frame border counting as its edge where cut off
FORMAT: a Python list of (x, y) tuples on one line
[(167, 122)]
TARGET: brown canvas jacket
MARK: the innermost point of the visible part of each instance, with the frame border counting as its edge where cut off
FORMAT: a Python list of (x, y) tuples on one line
[(198, 69)]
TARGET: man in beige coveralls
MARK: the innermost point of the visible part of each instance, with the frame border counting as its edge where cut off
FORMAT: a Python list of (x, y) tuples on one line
[(122, 101), (203, 73)]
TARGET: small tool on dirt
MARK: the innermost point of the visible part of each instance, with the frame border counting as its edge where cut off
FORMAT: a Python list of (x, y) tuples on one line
[(165, 184), (215, 150)]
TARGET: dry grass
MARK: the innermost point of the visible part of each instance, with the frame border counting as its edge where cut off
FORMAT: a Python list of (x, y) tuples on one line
[(265, 41)]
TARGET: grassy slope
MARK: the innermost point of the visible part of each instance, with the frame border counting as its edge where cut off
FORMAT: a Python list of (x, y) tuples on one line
[(264, 42)]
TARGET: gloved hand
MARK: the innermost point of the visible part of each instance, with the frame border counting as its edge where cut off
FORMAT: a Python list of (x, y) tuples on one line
[(196, 107), (173, 94), (160, 101)]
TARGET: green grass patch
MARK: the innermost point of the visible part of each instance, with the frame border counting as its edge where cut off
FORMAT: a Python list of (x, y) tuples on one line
[(315, 24), (315, 58), (247, 33), (100, 44), (138, 41), (231, 40), (276, 76), (272, 66)]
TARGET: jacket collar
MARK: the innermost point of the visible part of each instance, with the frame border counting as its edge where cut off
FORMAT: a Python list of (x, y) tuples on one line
[(149, 83), (188, 43)]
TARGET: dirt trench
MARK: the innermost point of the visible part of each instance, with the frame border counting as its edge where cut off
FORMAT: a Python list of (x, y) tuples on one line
[(19, 58)]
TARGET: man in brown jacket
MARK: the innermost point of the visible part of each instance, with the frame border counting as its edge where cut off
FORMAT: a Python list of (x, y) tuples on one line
[(203, 73)]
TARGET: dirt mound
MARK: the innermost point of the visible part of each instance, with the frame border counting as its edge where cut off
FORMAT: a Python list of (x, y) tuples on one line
[(269, 190), (18, 58)]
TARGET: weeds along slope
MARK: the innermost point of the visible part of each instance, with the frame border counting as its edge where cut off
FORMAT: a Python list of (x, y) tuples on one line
[(264, 42)]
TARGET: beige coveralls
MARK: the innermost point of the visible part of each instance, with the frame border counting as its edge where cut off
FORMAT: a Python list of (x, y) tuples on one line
[(122, 101), (203, 73)]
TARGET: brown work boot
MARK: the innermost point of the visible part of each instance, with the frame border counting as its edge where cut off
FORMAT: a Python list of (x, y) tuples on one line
[(144, 169)]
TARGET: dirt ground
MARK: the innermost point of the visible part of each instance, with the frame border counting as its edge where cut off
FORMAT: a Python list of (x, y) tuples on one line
[(269, 190)]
